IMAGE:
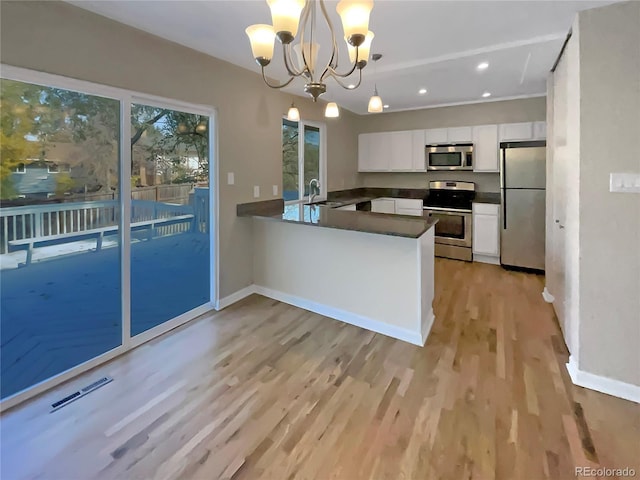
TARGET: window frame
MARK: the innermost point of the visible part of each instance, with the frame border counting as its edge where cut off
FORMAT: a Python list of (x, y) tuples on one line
[(22, 170), (322, 159)]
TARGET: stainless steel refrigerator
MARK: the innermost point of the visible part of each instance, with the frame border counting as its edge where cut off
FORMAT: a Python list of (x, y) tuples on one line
[(522, 181)]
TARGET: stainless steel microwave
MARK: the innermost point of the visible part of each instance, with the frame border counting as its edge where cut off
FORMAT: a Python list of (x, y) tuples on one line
[(457, 156)]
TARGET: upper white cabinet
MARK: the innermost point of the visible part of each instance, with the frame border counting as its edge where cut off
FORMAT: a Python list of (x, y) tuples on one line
[(539, 130), (436, 135), (459, 135), (418, 154), (401, 152), (392, 151), (485, 148), (523, 131), (516, 131)]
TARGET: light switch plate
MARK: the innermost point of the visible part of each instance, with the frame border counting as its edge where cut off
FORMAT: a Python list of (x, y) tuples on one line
[(256, 191), (230, 178), (275, 190), (624, 182)]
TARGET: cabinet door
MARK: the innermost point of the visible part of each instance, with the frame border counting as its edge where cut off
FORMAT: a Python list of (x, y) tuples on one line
[(348, 207), (409, 211), (383, 205), (379, 152), (459, 135), (401, 158), (486, 234), (435, 135), (516, 131), (485, 148), (363, 152), (419, 153), (539, 130)]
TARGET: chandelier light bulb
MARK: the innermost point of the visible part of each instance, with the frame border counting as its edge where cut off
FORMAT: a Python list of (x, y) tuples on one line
[(285, 15), (262, 38), (363, 50), (355, 19)]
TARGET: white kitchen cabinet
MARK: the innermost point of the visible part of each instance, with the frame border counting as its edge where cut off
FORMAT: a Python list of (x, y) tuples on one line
[(409, 203), (383, 205), (409, 211), (348, 207), (485, 148), (516, 131), (539, 130), (401, 159), (486, 233), (459, 135), (418, 155), (374, 152), (436, 135)]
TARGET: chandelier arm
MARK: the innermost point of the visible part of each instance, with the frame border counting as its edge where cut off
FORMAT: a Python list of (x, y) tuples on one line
[(288, 63), (339, 82), (333, 61), (264, 77), (303, 23), (330, 70)]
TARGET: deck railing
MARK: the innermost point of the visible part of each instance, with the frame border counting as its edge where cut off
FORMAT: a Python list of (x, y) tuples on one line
[(17, 223)]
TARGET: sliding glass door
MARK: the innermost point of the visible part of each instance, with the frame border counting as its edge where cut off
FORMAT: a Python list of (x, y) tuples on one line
[(169, 214), (105, 224), (59, 232)]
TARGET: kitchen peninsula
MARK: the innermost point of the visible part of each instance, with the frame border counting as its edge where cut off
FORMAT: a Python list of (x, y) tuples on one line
[(368, 269)]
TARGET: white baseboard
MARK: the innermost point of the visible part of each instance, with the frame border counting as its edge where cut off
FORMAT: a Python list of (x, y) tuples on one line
[(606, 385), (486, 259), (547, 296), (426, 328), (235, 297), (414, 337)]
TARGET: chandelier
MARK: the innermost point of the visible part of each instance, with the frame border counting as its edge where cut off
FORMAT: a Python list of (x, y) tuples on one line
[(287, 17)]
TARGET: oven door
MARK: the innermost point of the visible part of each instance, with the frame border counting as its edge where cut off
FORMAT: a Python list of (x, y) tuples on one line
[(453, 228)]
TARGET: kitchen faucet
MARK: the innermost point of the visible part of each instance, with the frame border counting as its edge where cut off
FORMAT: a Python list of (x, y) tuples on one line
[(311, 194)]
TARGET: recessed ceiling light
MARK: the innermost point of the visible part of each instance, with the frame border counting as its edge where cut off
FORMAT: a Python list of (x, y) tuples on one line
[(486, 94), (422, 91), (351, 86), (482, 66), (385, 106)]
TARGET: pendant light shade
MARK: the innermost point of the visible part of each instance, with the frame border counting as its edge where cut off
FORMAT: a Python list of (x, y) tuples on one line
[(293, 114), (332, 110), (375, 103)]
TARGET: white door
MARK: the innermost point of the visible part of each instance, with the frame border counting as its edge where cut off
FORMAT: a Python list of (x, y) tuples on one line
[(559, 259)]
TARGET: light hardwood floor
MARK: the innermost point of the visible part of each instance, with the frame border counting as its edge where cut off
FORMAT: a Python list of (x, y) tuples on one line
[(266, 390)]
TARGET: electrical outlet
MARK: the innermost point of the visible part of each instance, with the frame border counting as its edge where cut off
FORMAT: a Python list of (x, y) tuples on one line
[(230, 178), (624, 182), (256, 191), (275, 190)]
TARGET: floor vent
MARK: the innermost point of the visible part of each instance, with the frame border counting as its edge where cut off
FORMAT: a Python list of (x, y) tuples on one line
[(80, 393)]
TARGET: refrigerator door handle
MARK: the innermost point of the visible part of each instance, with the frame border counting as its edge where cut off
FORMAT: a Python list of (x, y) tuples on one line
[(504, 208)]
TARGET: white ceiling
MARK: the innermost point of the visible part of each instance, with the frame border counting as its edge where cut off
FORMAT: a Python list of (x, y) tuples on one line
[(432, 44)]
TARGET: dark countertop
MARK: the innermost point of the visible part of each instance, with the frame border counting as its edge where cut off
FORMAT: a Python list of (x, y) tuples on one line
[(487, 197), (323, 216)]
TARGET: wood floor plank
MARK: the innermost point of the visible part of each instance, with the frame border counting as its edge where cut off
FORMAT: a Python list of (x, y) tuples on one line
[(266, 390)]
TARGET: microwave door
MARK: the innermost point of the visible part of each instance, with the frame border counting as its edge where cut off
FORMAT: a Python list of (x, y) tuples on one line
[(444, 160)]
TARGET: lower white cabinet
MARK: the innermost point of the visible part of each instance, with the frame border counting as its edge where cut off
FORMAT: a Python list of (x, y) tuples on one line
[(383, 205), (486, 233), (409, 211), (348, 207)]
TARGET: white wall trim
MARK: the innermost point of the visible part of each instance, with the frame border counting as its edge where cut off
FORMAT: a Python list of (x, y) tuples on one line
[(486, 259), (601, 384), (235, 297), (344, 316), (546, 295)]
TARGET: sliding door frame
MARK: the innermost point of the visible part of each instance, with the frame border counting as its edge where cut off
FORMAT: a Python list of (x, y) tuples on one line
[(126, 98)]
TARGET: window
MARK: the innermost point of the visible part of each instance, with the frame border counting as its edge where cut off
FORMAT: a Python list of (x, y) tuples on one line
[(53, 168), (303, 159), (21, 168)]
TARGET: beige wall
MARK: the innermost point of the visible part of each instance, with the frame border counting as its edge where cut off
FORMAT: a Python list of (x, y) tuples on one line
[(62, 39), (508, 111), (609, 222)]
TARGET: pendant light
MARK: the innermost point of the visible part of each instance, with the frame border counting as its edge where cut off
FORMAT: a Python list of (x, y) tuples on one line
[(375, 102), (332, 110), (293, 114)]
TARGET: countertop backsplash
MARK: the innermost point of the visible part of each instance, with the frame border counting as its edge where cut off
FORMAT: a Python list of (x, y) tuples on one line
[(485, 182)]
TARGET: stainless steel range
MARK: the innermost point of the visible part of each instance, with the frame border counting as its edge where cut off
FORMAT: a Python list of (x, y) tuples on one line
[(451, 203)]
